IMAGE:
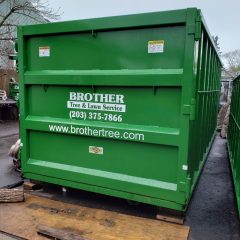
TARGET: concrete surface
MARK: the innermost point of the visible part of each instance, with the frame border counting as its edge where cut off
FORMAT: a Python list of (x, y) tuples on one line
[(212, 213), (8, 128)]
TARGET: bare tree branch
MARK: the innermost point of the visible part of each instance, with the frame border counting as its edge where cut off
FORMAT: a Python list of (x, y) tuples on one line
[(232, 59), (37, 10), (30, 8), (27, 15), (7, 39), (9, 24), (1, 1), (5, 17)]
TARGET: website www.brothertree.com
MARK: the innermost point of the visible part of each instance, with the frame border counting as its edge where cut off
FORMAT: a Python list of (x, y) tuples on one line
[(96, 132)]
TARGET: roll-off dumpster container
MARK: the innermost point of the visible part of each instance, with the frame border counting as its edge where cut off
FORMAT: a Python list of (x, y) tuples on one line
[(14, 90), (124, 106), (233, 137)]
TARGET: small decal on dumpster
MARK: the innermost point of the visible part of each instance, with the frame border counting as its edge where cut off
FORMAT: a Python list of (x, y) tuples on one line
[(44, 51), (156, 46), (95, 150), (184, 167)]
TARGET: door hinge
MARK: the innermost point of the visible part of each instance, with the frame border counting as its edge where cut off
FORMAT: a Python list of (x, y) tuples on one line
[(194, 26), (185, 187), (198, 26), (189, 109)]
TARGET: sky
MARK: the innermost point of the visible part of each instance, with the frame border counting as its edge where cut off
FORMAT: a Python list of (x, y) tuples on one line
[(221, 16)]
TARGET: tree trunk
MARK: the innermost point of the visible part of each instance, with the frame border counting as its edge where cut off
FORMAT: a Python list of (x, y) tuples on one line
[(11, 195)]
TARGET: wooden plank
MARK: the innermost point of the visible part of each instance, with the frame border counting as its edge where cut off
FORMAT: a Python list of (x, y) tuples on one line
[(58, 233), (31, 186), (169, 218), (10, 236), (11, 195), (89, 223)]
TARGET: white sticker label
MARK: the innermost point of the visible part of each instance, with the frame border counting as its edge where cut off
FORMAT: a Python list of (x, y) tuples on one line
[(184, 167), (44, 51), (96, 150), (16, 97), (96, 106), (156, 46), (97, 102)]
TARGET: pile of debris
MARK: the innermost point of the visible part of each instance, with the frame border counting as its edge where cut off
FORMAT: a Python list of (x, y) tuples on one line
[(14, 152), (223, 119)]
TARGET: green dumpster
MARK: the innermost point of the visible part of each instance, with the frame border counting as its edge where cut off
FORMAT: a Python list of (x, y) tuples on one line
[(233, 137), (124, 106), (14, 90)]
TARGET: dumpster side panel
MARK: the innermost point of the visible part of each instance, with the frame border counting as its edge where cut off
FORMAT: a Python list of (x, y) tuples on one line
[(111, 108), (205, 102), (233, 138), (116, 49)]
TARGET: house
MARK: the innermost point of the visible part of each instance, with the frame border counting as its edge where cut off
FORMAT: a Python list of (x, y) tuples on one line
[(8, 30), (226, 86), (8, 35)]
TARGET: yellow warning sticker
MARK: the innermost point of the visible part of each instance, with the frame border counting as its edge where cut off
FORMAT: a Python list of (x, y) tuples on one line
[(156, 46)]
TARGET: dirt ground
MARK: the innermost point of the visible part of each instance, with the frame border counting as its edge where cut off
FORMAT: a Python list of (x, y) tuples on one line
[(212, 214)]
